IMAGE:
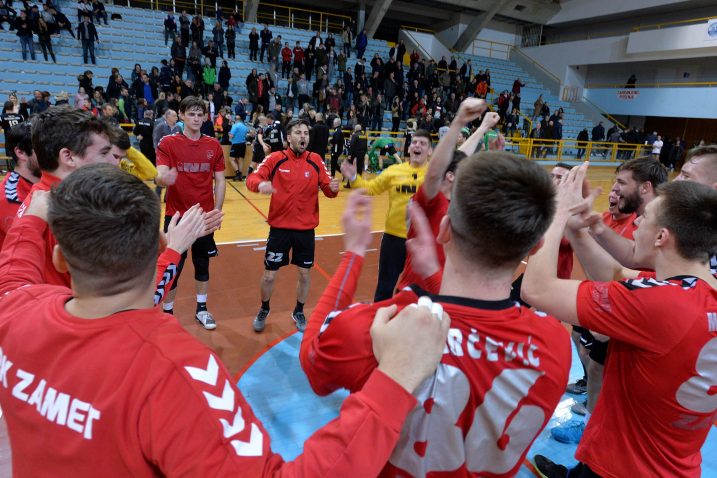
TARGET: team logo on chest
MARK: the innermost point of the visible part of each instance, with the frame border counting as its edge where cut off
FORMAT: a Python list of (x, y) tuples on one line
[(210, 155), (306, 174)]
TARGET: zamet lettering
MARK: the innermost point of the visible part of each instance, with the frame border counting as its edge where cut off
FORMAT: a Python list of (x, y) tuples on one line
[(52, 404)]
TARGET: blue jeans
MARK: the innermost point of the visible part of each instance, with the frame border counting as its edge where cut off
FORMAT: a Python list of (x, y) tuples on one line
[(26, 44), (88, 45)]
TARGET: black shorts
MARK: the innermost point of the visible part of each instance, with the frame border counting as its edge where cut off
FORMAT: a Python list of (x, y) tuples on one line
[(281, 241), (597, 349), (388, 150), (204, 247), (237, 150)]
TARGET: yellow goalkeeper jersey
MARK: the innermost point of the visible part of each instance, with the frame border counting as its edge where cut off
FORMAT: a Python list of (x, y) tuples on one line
[(401, 181)]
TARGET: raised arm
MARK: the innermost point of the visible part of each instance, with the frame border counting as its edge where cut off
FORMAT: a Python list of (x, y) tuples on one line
[(339, 294), (470, 109), (620, 248), (22, 261), (471, 145), (541, 286)]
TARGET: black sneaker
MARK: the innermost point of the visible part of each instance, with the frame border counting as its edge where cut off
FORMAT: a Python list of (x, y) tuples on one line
[(548, 469), (578, 388), (260, 320), (299, 320)]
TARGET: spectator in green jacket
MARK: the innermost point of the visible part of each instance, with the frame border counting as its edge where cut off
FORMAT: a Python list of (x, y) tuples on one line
[(209, 75)]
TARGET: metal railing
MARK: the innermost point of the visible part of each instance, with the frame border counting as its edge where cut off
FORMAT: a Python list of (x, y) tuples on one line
[(573, 150), (537, 65), (605, 113), (417, 29), (302, 18), (490, 49)]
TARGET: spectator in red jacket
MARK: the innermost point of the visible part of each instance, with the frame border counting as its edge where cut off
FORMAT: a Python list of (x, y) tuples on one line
[(293, 214), (286, 55)]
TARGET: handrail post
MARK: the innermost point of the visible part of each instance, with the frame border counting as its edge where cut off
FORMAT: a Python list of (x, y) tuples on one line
[(309, 22), (291, 21)]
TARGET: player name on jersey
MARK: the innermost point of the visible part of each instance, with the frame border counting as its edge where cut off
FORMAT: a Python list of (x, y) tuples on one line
[(55, 406), (494, 350)]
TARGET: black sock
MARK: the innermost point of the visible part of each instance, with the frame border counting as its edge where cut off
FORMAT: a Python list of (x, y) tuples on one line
[(299, 307), (265, 305), (201, 306), (170, 311), (250, 171)]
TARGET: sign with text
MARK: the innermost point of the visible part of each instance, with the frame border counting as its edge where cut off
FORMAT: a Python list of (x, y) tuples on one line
[(628, 94)]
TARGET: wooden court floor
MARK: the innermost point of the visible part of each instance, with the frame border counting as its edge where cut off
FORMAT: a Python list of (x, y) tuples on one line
[(233, 295)]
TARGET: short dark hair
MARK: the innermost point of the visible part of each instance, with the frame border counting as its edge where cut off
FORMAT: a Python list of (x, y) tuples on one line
[(563, 165), (20, 136), (710, 149), (296, 122), (192, 102), (106, 222), (708, 156), (689, 210), (8, 106), (646, 170), (119, 138), (63, 127), (423, 133), (500, 208), (458, 156)]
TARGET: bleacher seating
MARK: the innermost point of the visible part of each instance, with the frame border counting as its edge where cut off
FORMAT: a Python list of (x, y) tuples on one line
[(138, 38), (505, 72)]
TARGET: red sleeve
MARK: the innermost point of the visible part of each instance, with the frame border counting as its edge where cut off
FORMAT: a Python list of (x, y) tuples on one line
[(337, 296), (324, 178), (342, 354), (634, 312), (166, 273), (219, 164), (261, 174), (22, 260), (197, 423), (164, 152)]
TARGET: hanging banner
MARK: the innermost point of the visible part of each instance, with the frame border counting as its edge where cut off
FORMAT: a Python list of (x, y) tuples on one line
[(711, 32)]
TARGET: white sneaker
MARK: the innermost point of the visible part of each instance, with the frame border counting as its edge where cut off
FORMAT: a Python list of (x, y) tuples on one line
[(206, 319)]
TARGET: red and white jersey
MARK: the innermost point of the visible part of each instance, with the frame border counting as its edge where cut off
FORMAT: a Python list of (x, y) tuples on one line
[(435, 209), (134, 395), (503, 372), (50, 274), (296, 181), (658, 398), (13, 191), (196, 162)]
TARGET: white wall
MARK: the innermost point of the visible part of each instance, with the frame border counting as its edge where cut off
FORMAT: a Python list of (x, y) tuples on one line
[(690, 38), (703, 69), (428, 41), (495, 31), (573, 10), (670, 102), (557, 58)]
